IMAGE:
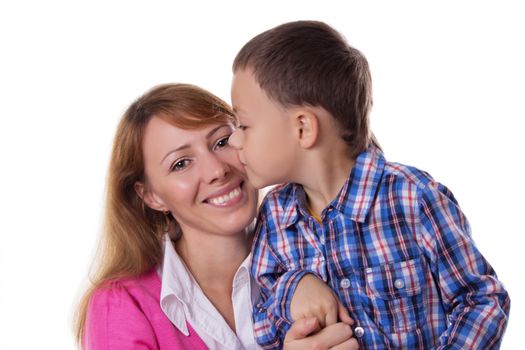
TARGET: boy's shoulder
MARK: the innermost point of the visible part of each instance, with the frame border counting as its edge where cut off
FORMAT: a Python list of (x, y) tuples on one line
[(372, 168), (401, 178), (407, 174)]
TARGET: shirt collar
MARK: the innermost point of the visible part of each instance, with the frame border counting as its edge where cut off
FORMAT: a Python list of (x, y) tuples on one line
[(178, 285), (359, 191), (287, 195), (355, 197)]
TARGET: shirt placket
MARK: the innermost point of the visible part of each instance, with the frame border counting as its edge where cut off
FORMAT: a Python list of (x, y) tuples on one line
[(344, 274)]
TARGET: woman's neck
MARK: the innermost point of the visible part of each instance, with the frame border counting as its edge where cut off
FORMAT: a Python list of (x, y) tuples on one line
[(213, 260)]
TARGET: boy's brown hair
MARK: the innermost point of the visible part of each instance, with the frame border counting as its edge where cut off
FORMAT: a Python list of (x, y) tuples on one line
[(310, 63)]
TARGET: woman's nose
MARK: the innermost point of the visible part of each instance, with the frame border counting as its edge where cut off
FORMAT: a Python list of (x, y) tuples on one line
[(215, 168)]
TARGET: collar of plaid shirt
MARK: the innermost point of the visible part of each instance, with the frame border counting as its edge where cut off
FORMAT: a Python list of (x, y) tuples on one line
[(355, 197)]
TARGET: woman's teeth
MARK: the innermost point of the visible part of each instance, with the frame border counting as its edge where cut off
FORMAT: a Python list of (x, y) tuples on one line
[(225, 198)]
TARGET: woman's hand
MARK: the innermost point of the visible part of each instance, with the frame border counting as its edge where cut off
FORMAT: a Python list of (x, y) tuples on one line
[(338, 336)]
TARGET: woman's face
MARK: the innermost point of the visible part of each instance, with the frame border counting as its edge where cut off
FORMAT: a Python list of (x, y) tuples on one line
[(197, 176)]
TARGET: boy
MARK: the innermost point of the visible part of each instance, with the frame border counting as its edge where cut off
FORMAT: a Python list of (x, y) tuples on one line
[(392, 243)]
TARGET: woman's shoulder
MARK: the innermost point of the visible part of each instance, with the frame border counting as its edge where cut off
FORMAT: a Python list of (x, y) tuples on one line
[(120, 311), (128, 298), (140, 289), (125, 312)]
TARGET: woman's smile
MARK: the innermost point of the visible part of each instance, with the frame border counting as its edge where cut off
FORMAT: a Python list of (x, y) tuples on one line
[(226, 197)]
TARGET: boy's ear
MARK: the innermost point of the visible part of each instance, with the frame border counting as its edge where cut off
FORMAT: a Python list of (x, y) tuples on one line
[(150, 198), (307, 126)]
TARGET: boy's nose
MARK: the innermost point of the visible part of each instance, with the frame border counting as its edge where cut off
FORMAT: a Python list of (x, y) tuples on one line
[(235, 139)]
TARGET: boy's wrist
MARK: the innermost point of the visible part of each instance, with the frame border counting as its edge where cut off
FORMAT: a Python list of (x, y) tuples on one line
[(285, 291)]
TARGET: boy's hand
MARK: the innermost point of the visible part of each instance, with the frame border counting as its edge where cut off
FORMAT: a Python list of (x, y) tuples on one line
[(313, 298), (306, 334)]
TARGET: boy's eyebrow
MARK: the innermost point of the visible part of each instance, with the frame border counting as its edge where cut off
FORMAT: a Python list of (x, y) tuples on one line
[(236, 110), (208, 135)]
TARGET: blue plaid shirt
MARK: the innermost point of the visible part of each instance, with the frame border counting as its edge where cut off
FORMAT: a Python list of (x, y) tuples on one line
[(395, 247)]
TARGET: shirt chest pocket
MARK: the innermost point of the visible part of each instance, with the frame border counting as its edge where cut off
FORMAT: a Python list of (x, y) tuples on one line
[(395, 295)]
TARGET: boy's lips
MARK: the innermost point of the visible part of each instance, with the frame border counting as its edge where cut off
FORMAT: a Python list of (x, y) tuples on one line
[(243, 163), (241, 160)]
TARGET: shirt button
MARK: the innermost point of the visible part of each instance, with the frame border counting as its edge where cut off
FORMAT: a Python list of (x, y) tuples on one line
[(345, 283), (399, 283), (359, 332)]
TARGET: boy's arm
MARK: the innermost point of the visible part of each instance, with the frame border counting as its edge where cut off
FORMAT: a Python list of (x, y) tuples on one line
[(314, 298), (277, 280), (475, 300)]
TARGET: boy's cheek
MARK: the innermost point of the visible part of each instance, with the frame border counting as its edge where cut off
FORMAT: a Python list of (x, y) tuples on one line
[(254, 180)]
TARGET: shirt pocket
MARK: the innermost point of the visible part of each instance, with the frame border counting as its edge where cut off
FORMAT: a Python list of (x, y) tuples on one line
[(395, 295)]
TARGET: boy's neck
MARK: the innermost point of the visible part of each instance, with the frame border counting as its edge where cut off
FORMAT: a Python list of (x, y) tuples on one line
[(324, 174)]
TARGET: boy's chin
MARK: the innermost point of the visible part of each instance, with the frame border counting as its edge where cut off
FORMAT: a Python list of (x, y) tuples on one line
[(257, 183)]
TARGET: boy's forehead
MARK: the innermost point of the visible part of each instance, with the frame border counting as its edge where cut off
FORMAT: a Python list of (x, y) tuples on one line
[(245, 78), (243, 89), (247, 95)]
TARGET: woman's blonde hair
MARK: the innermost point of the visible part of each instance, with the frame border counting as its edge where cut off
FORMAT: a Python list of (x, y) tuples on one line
[(132, 232)]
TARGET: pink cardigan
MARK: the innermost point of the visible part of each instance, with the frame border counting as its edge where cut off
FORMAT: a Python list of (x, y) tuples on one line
[(127, 315)]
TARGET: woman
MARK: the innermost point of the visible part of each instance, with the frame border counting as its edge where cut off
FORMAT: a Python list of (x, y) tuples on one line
[(173, 266)]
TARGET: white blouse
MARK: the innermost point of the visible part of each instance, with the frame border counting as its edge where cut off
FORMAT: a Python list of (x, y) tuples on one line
[(182, 300)]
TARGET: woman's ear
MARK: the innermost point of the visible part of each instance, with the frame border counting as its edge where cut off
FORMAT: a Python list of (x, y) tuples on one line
[(307, 126), (149, 197)]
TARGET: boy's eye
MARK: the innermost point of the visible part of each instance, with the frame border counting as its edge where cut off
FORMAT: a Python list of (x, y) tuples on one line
[(180, 164), (222, 142), (239, 125)]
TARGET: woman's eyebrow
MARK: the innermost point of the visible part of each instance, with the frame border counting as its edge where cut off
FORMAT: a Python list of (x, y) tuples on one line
[(174, 150), (210, 134)]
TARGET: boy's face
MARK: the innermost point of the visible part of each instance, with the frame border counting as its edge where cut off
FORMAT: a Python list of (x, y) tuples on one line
[(265, 135)]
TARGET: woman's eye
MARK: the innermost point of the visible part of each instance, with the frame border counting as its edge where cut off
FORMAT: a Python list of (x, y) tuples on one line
[(180, 164), (241, 127), (222, 142)]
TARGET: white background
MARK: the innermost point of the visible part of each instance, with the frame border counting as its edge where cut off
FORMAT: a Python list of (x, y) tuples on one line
[(449, 98)]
